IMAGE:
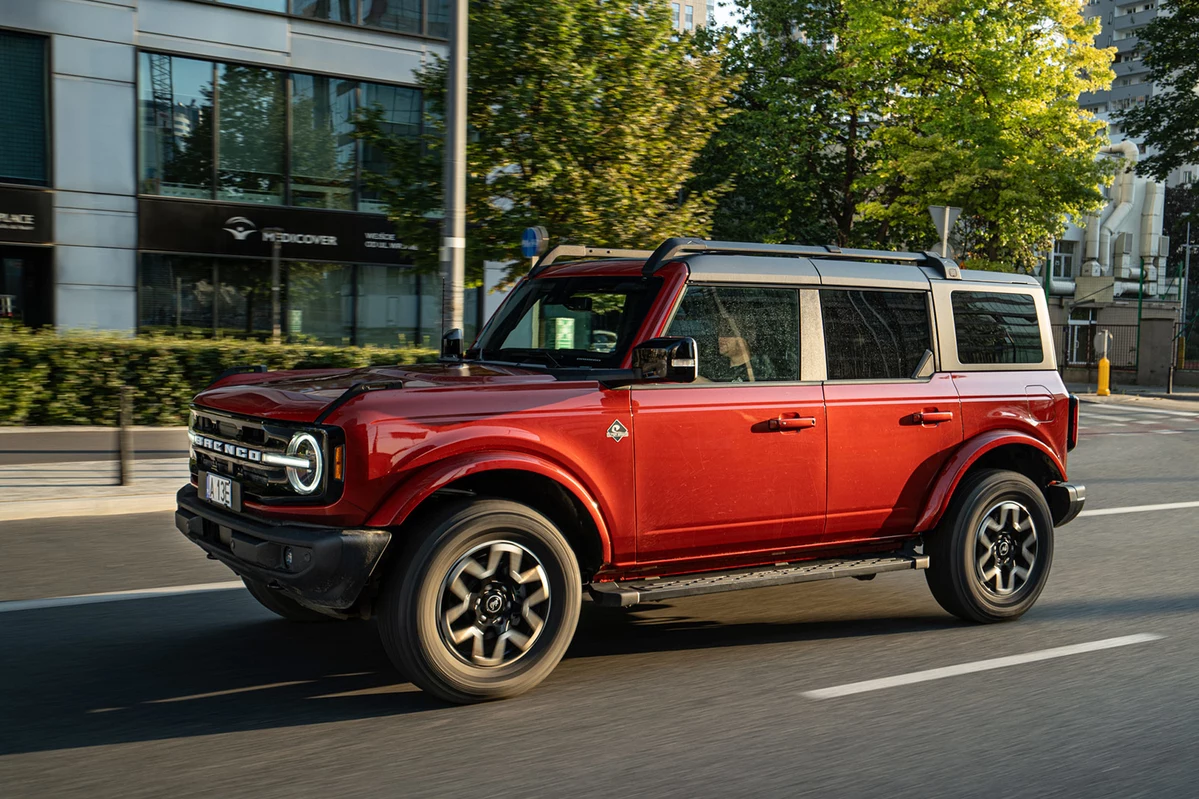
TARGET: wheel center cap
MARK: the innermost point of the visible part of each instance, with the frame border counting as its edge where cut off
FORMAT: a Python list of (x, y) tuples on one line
[(1003, 548), (493, 603)]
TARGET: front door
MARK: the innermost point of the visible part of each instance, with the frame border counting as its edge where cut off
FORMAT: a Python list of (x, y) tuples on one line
[(890, 428), (733, 463)]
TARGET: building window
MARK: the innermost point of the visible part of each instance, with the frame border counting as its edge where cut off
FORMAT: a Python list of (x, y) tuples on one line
[(262, 5), (689, 18), (674, 15), (710, 14), (251, 133), (23, 109), (323, 147), (1063, 258), (393, 15), (333, 10), (320, 303), (176, 96), (1188, 176), (401, 117), (219, 131)]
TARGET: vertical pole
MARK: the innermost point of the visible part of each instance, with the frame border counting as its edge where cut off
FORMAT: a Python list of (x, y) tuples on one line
[(125, 435), (945, 232), (178, 303), (1140, 306), (276, 311), (453, 242), (1186, 273)]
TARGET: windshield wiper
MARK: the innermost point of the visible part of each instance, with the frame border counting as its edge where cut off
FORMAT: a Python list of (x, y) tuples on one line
[(549, 359)]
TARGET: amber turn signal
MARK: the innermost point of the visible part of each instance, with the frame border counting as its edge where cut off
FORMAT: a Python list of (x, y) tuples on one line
[(338, 461)]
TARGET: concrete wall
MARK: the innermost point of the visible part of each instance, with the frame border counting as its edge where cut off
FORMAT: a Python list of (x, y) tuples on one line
[(94, 47)]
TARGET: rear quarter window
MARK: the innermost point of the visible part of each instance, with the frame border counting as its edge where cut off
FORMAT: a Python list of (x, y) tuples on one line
[(994, 327)]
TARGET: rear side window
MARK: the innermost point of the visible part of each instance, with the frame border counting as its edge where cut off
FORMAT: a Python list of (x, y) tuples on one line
[(874, 335), (996, 328), (744, 335)]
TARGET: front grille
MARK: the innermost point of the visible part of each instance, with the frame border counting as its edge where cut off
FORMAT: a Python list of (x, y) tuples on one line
[(236, 447)]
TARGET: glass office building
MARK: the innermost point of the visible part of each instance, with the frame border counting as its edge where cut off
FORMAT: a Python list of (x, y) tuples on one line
[(159, 153)]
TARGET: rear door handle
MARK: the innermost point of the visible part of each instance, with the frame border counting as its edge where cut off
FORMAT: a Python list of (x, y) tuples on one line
[(792, 423), (934, 417)]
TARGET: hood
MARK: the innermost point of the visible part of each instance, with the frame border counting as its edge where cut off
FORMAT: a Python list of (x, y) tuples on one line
[(302, 395)]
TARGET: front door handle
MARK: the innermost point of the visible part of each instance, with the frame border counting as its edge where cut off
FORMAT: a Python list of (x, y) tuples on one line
[(792, 423), (934, 417)]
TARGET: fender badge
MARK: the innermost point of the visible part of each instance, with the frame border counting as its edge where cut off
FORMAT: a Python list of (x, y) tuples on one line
[(617, 431)]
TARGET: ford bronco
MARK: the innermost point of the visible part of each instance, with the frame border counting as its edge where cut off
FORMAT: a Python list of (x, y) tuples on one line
[(638, 427)]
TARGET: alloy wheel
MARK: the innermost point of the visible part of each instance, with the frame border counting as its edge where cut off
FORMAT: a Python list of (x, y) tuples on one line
[(494, 602), (1005, 548)]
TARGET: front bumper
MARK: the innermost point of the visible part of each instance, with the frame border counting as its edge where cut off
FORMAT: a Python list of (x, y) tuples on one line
[(1065, 502), (330, 566)]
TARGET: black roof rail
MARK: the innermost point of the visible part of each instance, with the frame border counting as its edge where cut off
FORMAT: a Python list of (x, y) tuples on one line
[(675, 247), (580, 251)]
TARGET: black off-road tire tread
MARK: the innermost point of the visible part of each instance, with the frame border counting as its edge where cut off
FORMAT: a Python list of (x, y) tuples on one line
[(947, 575), (430, 535), (283, 606)]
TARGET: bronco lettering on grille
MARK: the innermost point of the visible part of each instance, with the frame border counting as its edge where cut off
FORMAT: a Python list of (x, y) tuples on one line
[(224, 448)]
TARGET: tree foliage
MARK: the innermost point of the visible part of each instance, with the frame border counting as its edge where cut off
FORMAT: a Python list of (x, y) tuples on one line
[(868, 111), (1168, 122), (586, 117)]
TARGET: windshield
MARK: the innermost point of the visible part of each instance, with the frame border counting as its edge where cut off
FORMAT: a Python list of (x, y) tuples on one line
[(569, 321)]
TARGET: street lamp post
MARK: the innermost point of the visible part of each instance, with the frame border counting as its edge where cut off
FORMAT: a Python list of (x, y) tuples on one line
[(276, 305), (453, 242)]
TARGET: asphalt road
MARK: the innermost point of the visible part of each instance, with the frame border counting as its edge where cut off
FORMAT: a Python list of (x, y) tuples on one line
[(208, 695)]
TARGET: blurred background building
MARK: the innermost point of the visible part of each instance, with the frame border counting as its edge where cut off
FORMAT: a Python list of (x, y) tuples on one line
[(152, 147)]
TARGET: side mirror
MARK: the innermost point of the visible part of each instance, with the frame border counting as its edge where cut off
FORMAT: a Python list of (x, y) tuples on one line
[(667, 360), (451, 345)]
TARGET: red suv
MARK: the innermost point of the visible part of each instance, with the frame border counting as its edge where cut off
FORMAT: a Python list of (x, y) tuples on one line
[(643, 426)]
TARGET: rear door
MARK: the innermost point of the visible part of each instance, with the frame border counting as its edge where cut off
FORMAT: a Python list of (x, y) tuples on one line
[(733, 463), (890, 431)]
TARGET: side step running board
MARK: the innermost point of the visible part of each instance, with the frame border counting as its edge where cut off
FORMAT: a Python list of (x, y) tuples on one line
[(634, 592)]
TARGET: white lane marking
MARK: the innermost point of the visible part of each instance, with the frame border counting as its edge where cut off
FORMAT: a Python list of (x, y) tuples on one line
[(115, 596), (230, 692), (1139, 508), (1138, 409), (1086, 417), (976, 666), (1168, 432)]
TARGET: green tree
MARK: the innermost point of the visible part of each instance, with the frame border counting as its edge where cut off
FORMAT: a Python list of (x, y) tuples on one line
[(799, 141), (982, 113), (1168, 122), (585, 117)]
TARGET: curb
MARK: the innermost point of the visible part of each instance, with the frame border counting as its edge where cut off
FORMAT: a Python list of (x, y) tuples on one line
[(86, 506)]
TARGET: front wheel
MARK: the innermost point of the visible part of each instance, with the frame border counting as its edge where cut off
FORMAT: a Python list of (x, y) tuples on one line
[(484, 604), (989, 558)]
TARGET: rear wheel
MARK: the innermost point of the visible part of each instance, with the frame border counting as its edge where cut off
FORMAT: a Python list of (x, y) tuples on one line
[(483, 604), (282, 605), (989, 558)]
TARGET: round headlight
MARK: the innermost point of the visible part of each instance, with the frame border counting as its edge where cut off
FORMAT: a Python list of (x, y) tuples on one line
[(305, 445)]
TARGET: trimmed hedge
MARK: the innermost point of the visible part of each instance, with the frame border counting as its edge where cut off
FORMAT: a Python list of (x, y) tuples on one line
[(47, 378)]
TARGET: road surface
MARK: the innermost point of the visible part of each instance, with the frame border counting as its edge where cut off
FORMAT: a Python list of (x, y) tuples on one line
[(202, 693)]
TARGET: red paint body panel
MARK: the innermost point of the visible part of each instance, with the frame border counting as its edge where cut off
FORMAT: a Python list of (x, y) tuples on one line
[(1001, 408), (881, 461), (716, 477)]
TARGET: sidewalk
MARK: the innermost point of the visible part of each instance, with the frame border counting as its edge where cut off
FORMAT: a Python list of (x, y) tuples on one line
[(1184, 397), (88, 488)]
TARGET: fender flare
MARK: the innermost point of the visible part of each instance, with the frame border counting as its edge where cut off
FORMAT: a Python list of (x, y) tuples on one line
[(967, 455), (408, 496)]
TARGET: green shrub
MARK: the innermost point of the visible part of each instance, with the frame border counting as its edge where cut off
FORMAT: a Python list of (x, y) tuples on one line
[(64, 379)]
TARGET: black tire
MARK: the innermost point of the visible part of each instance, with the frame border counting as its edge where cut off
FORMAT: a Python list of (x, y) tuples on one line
[(281, 604), (413, 608), (962, 552)]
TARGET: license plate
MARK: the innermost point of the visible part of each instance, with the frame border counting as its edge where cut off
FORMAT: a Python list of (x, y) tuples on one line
[(218, 490)]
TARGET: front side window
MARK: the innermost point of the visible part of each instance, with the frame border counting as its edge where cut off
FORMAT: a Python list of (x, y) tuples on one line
[(994, 327), (742, 334), (23, 109), (569, 322), (874, 335)]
